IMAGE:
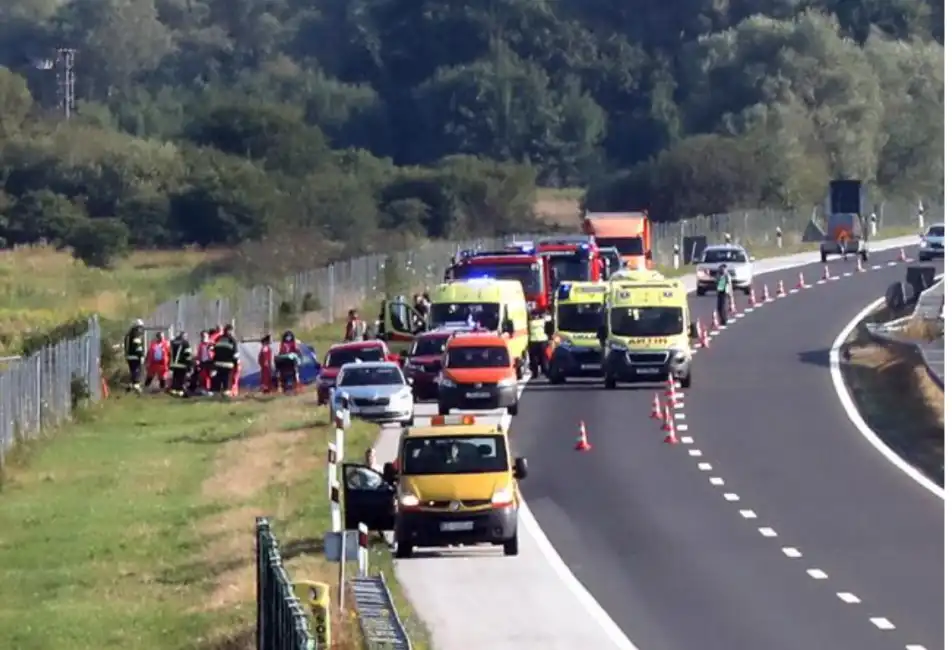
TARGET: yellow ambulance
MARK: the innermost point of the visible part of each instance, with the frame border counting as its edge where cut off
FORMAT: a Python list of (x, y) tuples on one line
[(578, 311)]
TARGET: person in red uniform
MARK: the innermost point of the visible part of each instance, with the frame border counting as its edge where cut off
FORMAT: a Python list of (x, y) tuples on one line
[(266, 364), (157, 361), (289, 358)]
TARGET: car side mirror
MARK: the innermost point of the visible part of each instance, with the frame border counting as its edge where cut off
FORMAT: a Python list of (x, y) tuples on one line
[(520, 468), (693, 331), (390, 473), (549, 328)]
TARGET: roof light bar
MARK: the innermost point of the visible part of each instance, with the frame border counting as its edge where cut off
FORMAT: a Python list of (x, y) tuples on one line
[(447, 420)]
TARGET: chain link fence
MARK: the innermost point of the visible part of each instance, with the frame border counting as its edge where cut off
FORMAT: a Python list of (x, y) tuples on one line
[(41, 391), (324, 295)]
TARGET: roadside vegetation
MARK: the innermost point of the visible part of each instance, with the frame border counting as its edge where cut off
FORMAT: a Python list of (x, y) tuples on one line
[(898, 398)]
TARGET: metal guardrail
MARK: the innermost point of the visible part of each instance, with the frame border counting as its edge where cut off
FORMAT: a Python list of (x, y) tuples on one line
[(327, 293), (377, 615), (929, 308), (282, 623)]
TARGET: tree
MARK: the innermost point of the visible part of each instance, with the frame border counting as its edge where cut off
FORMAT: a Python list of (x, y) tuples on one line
[(99, 242), (15, 102)]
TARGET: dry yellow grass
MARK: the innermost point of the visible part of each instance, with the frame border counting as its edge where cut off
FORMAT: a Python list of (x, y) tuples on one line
[(559, 207), (41, 287), (899, 400)]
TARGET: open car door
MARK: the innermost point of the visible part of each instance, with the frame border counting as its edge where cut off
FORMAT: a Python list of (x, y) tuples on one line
[(368, 498), (400, 323)]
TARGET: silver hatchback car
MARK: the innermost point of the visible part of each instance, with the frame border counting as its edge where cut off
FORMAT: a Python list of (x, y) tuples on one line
[(738, 263)]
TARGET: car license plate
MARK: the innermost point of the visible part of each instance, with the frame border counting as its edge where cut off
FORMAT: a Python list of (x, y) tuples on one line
[(646, 371), (591, 366), (374, 409), (456, 526), (477, 395)]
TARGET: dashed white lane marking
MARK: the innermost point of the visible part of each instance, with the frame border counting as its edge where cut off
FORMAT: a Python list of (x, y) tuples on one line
[(748, 310), (704, 467), (682, 427), (731, 320), (847, 597), (717, 480), (748, 514), (882, 623), (915, 647), (694, 452), (688, 440), (730, 496), (817, 574), (795, 290), (847, 274), (790, 551), (877, 267), (767, 532), (679, 416)]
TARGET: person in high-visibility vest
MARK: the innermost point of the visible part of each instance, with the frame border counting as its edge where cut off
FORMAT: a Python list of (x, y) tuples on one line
[(157, 363), (181, 363), (266, 364), (724, 291), (134, 345)]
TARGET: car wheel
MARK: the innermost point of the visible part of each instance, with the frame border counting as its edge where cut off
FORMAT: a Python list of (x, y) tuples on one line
[(511, 546), (700, 292), (403, 550), (610, 383), (823, 257), (686, 381), (864, 255), (513, 410), (747, 290), (443, 409), (556, 378)]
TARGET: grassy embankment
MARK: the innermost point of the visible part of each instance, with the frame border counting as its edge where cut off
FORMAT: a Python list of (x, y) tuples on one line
[(896, 396)]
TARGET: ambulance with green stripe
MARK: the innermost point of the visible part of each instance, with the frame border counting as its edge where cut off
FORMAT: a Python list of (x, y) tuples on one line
[(578, 311), (647, 332)]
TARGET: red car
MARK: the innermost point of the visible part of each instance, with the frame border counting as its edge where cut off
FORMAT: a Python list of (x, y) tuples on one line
[(338, 355), (424, 362)]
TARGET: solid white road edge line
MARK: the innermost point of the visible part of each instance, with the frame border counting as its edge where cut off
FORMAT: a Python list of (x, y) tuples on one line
[(585, 599), (843, 393)]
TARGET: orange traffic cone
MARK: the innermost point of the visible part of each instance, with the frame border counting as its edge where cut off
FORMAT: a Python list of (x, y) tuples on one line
[(656, 413), (752, 298), (766, 294), (581, 443), (715, 323), (705, 340), (800, 281), (902, 255), (671, 436), (781, 292), (859, 264), (733, 307), (826, 272)]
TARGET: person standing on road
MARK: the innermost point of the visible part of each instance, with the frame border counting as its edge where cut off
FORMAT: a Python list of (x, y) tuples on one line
[(134, 346), (226, 360), (724, 291), (181, 354)]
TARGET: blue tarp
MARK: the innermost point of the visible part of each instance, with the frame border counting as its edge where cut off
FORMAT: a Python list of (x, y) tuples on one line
[(251, 376)]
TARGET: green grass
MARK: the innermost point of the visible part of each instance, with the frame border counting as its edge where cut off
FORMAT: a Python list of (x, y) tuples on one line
[(133, 528)]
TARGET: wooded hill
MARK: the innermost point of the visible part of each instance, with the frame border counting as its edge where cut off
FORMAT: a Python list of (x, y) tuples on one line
[(216, 121)]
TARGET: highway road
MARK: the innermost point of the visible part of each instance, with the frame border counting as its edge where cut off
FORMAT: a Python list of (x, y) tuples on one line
[(775, 524)]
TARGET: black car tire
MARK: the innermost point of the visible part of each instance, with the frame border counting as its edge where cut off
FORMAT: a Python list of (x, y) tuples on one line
[(443, 409), (686, 381), (610, 382), (823, 257), (513, 410), (510, 547), (747, 290), (700, 292), (403, 550)]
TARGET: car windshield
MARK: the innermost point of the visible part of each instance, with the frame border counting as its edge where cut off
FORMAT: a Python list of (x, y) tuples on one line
[(529, 275), (568, 268), (428, 346), (624, 245), (484, 314), (379, 376), (337, 358), (585, 317), (724, 256), (647, 321), (488, 356), (454, 455), (936, 231)]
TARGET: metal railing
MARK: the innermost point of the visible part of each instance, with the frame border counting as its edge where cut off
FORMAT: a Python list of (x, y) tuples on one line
[(327, 293), (282, 623), (41, 390), (380, 625)]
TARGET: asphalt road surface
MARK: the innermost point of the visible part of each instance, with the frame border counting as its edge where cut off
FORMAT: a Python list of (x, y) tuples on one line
[(779, 526)]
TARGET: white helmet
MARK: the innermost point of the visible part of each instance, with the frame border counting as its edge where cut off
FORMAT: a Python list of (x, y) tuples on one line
[(139, 323)]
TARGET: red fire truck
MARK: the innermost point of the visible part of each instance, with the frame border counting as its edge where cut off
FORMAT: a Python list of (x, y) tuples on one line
[(518, 262), (571, 258)]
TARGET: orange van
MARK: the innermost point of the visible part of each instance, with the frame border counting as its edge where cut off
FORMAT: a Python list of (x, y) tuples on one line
[(478, 374)]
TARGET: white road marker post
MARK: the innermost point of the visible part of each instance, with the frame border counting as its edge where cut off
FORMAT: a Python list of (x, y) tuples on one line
[(363, 552), (677, 257), (779, 237), (332, 460), (336, 524)]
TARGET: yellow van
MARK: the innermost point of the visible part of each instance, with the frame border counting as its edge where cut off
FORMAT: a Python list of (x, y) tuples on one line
[(453, 483), (647, 332), (578, 312)]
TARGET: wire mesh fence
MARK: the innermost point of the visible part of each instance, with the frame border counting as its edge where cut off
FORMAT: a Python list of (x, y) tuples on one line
[(327, 293), (41, 390)]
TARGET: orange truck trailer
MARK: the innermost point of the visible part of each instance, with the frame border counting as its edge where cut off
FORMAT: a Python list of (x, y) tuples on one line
[(628, 232)]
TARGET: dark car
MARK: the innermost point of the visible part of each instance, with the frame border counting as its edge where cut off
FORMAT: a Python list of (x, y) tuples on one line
[(424, 363)]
